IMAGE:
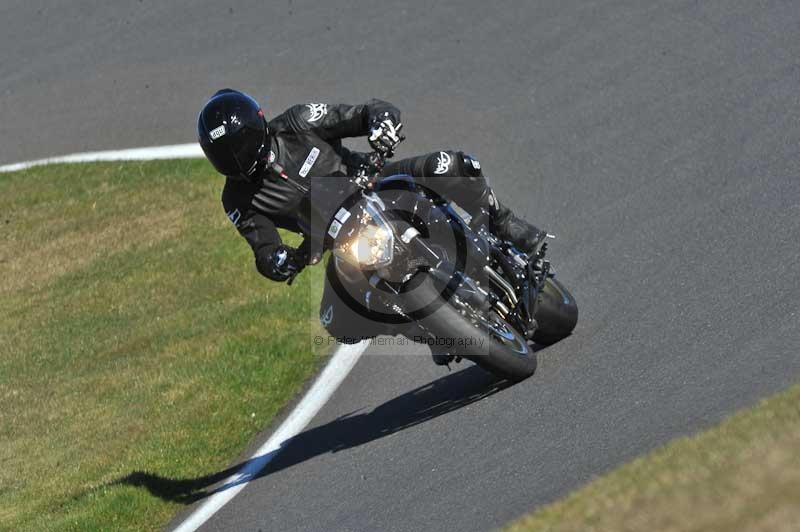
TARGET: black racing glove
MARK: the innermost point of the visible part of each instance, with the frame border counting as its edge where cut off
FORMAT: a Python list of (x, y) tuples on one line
[(286, 263), (385, 133)]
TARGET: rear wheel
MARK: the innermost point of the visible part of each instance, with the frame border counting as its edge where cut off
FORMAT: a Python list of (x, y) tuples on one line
[(556, 313), (486, 340)]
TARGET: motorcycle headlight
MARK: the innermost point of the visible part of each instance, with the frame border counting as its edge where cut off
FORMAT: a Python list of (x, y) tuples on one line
[(370, 246), (373, 246)]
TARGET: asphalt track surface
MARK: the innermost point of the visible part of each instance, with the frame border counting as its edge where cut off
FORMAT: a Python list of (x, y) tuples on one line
[(658, 140)]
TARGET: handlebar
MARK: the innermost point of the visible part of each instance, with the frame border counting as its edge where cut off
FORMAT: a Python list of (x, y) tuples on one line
[(365, 178), (370, 170)]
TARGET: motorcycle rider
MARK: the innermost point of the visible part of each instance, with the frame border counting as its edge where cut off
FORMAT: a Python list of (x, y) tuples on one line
[(265, 161)]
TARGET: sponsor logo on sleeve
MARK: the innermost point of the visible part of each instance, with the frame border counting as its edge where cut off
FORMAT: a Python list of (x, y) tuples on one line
[(317, 110)]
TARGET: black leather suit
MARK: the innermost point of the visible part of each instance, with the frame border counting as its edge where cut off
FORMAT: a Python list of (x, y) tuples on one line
[(306, 140)]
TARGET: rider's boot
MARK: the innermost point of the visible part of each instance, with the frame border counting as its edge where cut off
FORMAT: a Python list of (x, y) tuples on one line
[(524, 235), (506, 225)]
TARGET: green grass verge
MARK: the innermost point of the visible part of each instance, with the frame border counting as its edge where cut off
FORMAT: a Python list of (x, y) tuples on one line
[(137, 341), (741, 475)]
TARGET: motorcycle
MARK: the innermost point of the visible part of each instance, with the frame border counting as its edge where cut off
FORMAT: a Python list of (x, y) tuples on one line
[(404, 257)]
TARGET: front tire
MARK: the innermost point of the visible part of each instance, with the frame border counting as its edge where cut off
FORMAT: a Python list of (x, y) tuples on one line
[(487, 341)]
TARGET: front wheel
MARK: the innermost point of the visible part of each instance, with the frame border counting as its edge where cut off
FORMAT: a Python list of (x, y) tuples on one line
[(486, 340)]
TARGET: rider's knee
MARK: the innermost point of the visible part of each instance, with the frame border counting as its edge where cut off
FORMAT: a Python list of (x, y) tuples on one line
[(450, 163), (444, 163), (454, 172), (471, 167)]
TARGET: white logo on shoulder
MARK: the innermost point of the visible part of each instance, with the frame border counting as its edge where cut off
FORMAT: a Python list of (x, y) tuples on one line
[(317, 110), (442, 163), (234, 217), (310, 160), (217, 132)]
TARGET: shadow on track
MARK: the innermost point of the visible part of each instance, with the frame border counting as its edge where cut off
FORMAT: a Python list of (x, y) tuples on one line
[(437, 398)]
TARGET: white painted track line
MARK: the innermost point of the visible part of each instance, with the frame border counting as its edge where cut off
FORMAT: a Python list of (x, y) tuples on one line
[(331, 377), (342, 361), (176, 151)]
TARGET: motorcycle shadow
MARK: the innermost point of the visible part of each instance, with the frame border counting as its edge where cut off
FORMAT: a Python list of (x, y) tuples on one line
[(439, 397)]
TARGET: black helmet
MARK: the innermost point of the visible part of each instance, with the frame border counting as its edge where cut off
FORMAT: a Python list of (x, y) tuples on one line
[(233, 133)]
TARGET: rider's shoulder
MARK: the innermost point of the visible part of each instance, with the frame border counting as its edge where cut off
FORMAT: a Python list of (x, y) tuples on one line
[(302, 117)]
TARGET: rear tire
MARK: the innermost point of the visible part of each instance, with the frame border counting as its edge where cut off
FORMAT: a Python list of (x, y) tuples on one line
[(556, 314), (513, 359)]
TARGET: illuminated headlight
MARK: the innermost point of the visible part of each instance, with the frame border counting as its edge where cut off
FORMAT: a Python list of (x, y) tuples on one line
[(372, 247)]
